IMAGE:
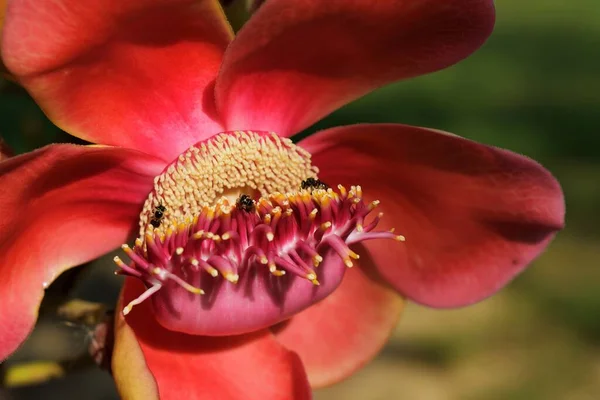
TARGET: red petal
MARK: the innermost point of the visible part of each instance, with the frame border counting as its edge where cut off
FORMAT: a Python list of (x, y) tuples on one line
[(190, 367), (296, 61), (474, 216), (342, 333), (62, 205), (134, 73)]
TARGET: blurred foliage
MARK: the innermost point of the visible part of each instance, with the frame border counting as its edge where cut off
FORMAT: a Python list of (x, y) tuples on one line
[(533, 88)]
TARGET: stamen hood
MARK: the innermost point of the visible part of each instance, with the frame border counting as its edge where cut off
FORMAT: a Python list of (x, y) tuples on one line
[(239, 234)]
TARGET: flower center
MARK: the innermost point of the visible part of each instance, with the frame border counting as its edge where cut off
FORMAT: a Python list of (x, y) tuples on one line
[(239, 234)]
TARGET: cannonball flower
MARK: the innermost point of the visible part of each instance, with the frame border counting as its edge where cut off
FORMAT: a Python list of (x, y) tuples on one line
[(257, 268)]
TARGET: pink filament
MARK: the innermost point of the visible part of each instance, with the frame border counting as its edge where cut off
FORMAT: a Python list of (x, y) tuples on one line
[(283, 234)]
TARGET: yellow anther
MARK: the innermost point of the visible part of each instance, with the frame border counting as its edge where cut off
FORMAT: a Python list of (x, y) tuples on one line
[(198, 235), (353, 255), (277, 272), (359, 228), (270, 236), (265, 203), (305, 196), (119, 262), (317, 259), (190, 288), (313, 214), (278, 197), (210, 213), (226, 236), (233, 278), (400, 238), (348, 262), (179, 251), (326, 225), (264, 260), (225, 203)]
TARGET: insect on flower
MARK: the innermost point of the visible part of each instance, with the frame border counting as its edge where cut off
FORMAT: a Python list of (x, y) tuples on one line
[(245, 203), (157, 215), (312, 183)]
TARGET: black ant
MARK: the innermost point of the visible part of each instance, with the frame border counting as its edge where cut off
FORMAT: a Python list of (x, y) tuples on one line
[(245, 203), (159, 213), (312, 183)]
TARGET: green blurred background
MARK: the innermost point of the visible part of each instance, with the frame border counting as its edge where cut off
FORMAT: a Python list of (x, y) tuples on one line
[(533, 88)]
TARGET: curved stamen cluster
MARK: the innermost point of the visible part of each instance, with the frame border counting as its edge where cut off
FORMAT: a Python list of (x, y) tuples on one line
[(239, 234), (285, 234)]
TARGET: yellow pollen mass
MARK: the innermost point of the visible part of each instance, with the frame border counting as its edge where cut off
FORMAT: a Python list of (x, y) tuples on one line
[(223, 167)]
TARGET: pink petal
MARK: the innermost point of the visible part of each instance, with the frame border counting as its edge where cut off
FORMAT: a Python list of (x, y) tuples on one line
[(190, 367), (62, 205), (257, 301), (342, 333), (474, 216), (137, 74), (296, 61)]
